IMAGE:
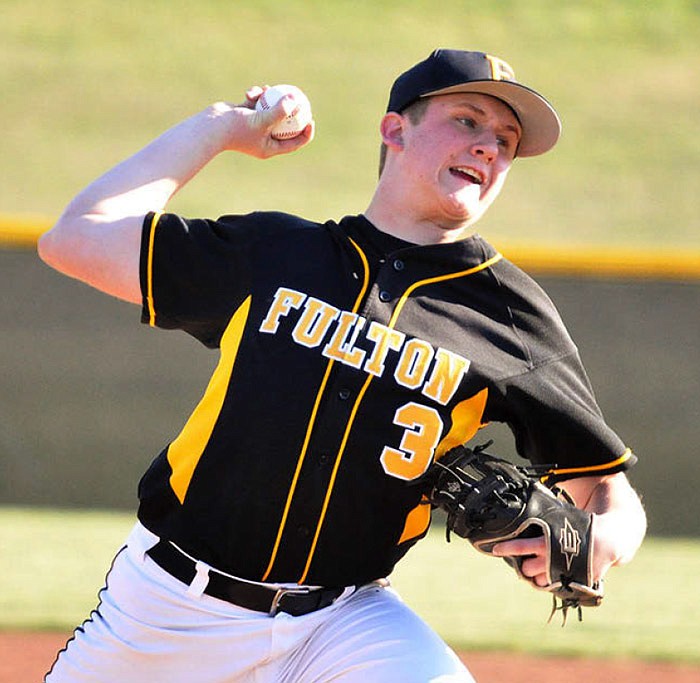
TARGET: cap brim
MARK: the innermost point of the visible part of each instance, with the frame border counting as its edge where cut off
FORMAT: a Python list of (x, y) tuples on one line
[(540, 122)]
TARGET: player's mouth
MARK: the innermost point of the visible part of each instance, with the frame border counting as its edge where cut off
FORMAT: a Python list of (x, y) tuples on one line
[(469, 174)]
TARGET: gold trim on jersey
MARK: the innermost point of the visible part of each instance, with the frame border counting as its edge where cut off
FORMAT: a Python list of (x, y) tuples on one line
[(467, 418), (441, 278), (392, 322), (186, 450), (417, 521), (312, 422), (149, 270), (588, 469)]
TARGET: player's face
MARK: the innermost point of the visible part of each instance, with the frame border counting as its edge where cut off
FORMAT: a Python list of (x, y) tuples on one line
[(458, 156)]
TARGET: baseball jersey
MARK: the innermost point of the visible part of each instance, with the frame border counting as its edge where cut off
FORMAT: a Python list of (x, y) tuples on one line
[(349, 360)]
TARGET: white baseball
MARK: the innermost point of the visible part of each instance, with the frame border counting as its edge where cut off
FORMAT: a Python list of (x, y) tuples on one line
[(295, 123)]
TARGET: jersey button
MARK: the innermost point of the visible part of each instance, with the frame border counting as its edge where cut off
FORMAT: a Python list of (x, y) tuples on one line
[(384, 296), (344, 394), (303, 531), (398, 264)]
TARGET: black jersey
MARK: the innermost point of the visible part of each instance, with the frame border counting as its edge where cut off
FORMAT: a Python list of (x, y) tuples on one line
[(349, 361)]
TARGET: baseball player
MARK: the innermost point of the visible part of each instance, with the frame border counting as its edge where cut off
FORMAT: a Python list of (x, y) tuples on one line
[(353, 354)]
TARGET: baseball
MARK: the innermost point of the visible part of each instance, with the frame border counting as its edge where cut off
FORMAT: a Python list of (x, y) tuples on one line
[(295, 123)]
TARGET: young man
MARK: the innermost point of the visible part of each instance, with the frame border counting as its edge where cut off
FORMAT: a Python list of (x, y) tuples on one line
[(353, 355)]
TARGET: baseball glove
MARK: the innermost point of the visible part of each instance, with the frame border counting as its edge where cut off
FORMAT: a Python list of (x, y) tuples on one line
[(488, 500)]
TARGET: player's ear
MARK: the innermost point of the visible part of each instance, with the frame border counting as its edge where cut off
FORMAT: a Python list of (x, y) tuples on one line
[(392, 129)]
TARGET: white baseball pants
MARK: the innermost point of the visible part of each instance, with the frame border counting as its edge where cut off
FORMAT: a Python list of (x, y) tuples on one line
[(148, 628)]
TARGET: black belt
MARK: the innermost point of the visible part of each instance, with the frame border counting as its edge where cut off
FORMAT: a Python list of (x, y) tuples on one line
[(294, 601)]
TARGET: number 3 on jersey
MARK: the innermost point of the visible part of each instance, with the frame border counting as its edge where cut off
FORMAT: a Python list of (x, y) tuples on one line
[(423, 427)]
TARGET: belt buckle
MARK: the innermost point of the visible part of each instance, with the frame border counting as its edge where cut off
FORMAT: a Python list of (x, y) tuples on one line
[(281, 592)]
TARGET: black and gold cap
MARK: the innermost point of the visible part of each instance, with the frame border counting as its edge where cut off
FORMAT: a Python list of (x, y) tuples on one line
[(453, 71)]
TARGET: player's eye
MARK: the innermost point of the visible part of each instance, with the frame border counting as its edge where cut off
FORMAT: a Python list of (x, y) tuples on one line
[(468, 122)]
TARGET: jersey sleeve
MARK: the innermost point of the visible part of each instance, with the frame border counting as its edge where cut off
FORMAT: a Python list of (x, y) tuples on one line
[(556, 420), (541, 389), (194, 273)]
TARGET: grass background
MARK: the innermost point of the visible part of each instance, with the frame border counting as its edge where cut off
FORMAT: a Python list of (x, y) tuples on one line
[(473, 601), (86, 82)]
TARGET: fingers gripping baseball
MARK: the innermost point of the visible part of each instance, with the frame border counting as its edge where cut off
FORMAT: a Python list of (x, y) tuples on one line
[(278, 119)]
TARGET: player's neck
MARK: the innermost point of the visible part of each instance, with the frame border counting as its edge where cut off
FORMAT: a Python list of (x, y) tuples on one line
[(397, 221)]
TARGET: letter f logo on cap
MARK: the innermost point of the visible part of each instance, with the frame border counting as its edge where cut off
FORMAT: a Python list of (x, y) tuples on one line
[(500, 70)]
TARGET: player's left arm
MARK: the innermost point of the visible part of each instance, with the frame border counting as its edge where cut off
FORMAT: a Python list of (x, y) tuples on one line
[(620, 520), (619, 526)]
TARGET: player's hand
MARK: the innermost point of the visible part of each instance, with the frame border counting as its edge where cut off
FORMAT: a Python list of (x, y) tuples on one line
[(251, 132), (618, 528), (534, 550)]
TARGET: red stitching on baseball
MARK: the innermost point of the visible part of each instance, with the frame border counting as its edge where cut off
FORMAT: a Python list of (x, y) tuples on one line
[(286, 134), (283, 135)]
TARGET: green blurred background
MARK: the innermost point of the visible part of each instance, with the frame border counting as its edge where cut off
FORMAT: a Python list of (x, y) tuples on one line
[(86, 82), (89, 396)]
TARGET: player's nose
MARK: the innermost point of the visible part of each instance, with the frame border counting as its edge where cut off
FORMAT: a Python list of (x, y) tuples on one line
[(486, 149)]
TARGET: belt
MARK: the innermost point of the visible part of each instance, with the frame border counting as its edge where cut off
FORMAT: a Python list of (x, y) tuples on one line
[(295, 601)]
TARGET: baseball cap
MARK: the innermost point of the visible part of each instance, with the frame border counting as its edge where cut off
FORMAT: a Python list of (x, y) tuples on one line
[(453, 71)]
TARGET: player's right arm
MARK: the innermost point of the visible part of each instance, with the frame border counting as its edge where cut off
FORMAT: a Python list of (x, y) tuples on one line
[(97, 239)]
